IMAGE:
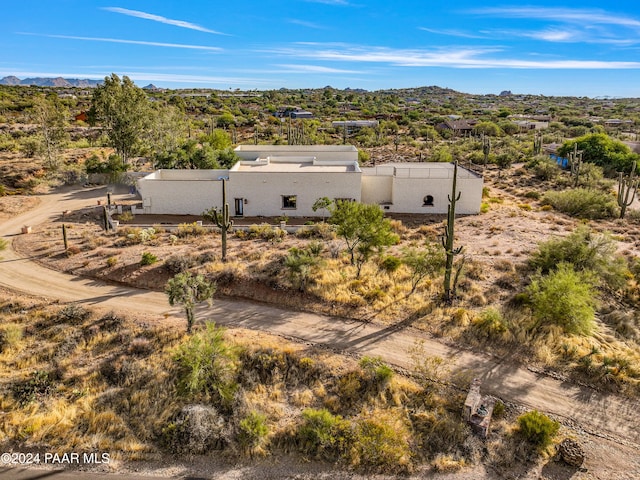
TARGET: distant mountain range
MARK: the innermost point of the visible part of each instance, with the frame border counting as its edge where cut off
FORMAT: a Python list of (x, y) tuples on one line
[(50, 82)]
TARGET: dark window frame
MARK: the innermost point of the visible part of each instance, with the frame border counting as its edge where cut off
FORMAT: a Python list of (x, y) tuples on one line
[(288, 203)]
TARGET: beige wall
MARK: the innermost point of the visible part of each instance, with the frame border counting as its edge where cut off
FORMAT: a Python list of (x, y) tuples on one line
[(377, 189), (263, 191)]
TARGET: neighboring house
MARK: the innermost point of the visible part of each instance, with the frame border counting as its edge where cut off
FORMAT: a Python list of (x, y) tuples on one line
[(459, 128), (292, 112), (282, 180), (354, 125)]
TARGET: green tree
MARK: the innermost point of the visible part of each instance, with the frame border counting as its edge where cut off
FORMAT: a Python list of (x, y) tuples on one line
[(123, 110), (363, 228), (423, 263), (537, 428), (189, 290), (612, 155), (51, 117), (564, 297), (488, 128), (322, 203)]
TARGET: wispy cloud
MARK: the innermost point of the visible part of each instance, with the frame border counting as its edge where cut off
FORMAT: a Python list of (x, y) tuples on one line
[(293, 68), (451, 33), (561, 15), (132, 42), (330, 2), (161, 19), (304, 23), (453, 57)]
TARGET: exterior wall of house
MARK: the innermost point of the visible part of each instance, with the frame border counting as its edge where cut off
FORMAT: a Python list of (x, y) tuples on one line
[(258, 186), (181, 192), (263, 192), (413, 183), (377, 189)]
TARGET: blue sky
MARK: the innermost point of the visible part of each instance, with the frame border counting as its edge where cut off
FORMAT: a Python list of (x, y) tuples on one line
[(582, 48)]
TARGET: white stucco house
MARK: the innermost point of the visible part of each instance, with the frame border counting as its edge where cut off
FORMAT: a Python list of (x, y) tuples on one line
[(283, 180)]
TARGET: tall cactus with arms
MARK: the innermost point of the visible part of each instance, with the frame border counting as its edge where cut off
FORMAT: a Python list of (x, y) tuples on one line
[(221, 218), (627, 189), (447, 238)]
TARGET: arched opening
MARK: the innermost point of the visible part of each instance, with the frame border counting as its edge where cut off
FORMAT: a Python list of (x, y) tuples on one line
[(427, 201)]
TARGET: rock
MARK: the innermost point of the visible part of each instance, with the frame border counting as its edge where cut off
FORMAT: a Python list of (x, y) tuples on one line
[(571, 453)]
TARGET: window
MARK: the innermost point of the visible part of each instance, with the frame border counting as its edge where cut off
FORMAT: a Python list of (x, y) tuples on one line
[(427, 201), (289, 202)]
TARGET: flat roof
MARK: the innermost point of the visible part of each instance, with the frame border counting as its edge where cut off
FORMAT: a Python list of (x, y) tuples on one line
[(295, 148), (294, 167)]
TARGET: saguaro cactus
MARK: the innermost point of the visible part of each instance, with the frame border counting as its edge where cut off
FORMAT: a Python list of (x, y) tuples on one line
[(537, 143), (448, 237), (221, 218), (486, 150), (575, 161), (627, 189)]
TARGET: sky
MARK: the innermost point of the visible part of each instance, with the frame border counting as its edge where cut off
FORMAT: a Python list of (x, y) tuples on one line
[(587, 48)]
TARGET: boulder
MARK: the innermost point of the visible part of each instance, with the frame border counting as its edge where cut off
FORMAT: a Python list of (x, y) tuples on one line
[(571, 453)]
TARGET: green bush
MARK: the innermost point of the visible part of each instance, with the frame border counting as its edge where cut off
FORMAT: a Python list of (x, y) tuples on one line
[(582, 203), (545, 168), (377, 371), (253, 429), (564, 297), (323, 434), (190, 230), (266, 232), (3, 244), (207, 366), (584, 249), (148, 258), (537, 428)]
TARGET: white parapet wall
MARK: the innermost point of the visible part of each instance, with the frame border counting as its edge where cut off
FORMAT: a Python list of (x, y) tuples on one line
[(420, 188)]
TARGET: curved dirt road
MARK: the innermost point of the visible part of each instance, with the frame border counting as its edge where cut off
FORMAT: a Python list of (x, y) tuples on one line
[(596, 413)]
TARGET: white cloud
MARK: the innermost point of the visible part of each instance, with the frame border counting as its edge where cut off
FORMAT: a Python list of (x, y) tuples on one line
[(304, 23), (451, 33), (158, 18), (292, 68), (561, 15), (454, 57), (132, 42)]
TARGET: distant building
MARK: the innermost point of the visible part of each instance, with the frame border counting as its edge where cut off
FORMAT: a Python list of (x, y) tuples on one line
[(354, 125), (459, 128), (292, 112), (276, 180)]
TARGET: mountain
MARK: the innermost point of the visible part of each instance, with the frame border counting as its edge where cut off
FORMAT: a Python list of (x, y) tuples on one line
[(50, 82)]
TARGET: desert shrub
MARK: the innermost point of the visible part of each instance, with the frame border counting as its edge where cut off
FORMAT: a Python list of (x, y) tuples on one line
[(266, 232), (491, 322), (125, 217), (439, 432), (180, 263), (139, 235), (148, 258), (196, 430), (533, 194), (381, 443), (252, 429), (73, 313), (37, 387), (3, 244), (564, 297), (582, 203), (545, 168), (390, 264), (322, 434), (190, 230), (584, 249), (324, 231), (10, 335), (378, 372), (484, 207), (207, 365), (112, 261), (537, 428)]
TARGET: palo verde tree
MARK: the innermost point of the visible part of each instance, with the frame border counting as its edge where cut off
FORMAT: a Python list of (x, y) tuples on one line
[(50, 116), (123, 111), (363, 228), (422, 263), (188, 290)]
